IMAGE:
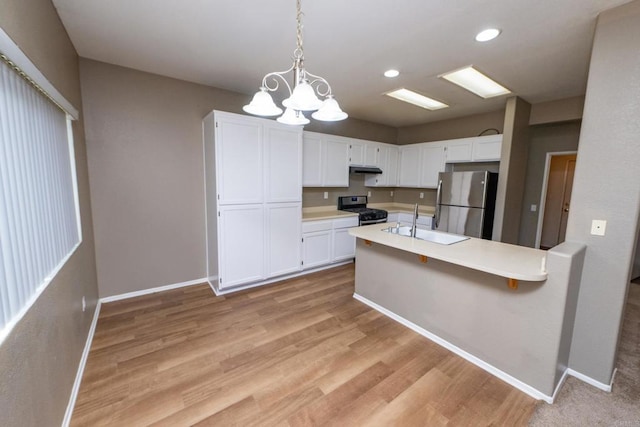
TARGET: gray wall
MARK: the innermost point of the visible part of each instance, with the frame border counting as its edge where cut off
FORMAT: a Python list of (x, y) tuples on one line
[(144, 143), (39, 359), (544, 139), (462, 127), (607, 186)]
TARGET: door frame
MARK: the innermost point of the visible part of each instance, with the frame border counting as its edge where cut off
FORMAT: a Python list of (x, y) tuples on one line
[(543, 193)]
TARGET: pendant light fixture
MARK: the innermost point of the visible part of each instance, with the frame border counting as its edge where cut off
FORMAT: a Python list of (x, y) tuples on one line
[(303, 97)]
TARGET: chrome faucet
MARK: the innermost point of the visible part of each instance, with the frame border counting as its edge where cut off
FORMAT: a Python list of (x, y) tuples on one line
[(415, 218)]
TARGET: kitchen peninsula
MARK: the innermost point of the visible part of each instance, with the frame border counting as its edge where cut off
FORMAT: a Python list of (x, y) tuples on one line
[(503, 307)]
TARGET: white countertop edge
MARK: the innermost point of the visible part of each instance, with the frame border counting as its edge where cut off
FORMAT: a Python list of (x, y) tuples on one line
[(501, 259)]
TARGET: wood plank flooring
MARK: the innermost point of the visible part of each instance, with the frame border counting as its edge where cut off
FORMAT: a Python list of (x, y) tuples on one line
[(297, 353)]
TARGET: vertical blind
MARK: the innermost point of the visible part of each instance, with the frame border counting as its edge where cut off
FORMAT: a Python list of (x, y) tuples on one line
[(39, 213)]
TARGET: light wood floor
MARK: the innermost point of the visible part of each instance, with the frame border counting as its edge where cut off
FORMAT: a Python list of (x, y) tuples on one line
[(300, 352)]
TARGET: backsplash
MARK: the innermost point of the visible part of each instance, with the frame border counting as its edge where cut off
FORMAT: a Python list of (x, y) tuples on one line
[(314, 196)]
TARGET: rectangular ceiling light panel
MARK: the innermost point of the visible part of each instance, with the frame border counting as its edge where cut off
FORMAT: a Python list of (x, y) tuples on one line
[(476, 82), (414, 98)]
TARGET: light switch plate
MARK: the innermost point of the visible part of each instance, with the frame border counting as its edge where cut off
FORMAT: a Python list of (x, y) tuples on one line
[(534, 208), (326, 194), (422, 195), (598, 227)]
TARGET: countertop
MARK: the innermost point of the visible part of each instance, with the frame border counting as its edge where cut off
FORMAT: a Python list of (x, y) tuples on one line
[(501, 259), (330, 212)]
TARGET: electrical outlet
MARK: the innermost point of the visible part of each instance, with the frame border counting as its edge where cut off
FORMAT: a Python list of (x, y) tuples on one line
[(368, 193), (84, 304), (422, 195), (598, 227), (326, 194), (534, 208), (391, 193)]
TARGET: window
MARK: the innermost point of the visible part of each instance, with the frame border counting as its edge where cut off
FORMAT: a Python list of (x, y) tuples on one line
[(39, 211)]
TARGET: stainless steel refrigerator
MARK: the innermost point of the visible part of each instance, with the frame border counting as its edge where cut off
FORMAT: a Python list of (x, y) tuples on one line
[(465, 203)]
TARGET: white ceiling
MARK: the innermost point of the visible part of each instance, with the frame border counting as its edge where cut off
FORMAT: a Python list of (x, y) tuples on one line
[(542, 54)]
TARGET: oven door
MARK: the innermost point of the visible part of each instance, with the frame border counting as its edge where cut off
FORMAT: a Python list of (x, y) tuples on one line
[(373, 221)]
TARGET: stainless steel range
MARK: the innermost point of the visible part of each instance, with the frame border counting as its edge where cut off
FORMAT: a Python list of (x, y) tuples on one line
[(358, 204)]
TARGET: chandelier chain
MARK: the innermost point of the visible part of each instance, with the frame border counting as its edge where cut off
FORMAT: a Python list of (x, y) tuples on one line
[(299, 52)]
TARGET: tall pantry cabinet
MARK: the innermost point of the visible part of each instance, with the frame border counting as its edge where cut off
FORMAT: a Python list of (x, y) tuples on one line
[(253, 185)]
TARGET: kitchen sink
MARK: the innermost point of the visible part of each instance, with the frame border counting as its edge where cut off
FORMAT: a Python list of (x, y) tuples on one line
[(427, 235)]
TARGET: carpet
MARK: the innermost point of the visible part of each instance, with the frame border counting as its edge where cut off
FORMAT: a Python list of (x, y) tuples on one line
[(580, 404)]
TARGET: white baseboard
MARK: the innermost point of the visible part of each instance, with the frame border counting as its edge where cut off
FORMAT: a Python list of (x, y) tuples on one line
[(152, 290), (526, 388), (220, 292), (565, 374), (80, 372), (591, 381)]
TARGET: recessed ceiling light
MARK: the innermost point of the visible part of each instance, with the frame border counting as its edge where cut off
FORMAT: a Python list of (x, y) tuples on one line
[(414, 98), (488, 34), (391, 73), (476, 82)]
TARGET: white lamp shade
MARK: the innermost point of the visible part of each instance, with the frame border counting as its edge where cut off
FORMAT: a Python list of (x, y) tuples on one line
[(292, 117), (330, 111), (262, 105), (303, 98)]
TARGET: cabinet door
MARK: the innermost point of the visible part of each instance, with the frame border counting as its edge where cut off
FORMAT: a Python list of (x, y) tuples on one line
[(312, 163), (356, 152), (371, 154), (241, 239), (284, 235), (458, 151), (344, 244), (432, 163), (409, 175), (317, 249), (487, 148), (336, 163), (283, 163), (239, 161), (392, 164)]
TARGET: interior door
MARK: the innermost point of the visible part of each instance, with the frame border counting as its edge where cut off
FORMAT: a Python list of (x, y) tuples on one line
[(558, 199)]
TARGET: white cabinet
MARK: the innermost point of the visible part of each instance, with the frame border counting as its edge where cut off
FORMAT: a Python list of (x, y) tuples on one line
[(239, 160), (283, 164), (387, 161), (487, 148), (283, 241), (253, 187), (241, 241), (325, 161), (431, 163), (328, 241), (459, 150), (423, 221), (409, 174), (477, 149), (362, 153), (344, 244)]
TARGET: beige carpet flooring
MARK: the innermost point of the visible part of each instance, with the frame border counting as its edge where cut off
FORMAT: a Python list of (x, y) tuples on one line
[(579, 404)]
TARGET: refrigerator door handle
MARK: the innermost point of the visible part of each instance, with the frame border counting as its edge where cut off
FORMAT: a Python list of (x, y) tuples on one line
[(438, 203)]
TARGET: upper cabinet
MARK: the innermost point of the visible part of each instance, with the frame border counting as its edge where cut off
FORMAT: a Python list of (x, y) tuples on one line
[(432, 157), (477, 149), (283, 163), (363, 153), (387, 159), (325, 160), (409, 169)]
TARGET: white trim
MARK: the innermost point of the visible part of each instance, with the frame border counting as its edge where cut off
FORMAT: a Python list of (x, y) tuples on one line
[(74, 175), (543, 192), (565, 374), (219, 292), (83, 361), (591, 381), (457, 350), (152, 290), (9, 48)]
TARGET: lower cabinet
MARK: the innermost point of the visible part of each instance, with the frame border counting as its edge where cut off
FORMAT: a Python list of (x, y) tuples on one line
[(423, 221), (282, 239), (241, 249), (327, 241)]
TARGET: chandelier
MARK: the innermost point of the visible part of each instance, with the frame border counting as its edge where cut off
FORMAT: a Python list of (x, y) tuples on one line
[(304, 95)]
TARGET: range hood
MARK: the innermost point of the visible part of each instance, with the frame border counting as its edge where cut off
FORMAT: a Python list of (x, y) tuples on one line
[(364, 169)]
